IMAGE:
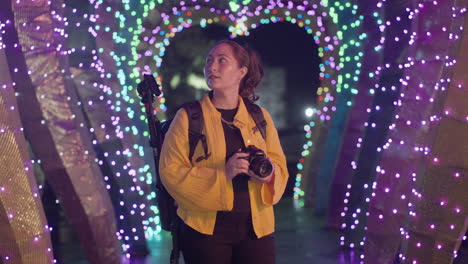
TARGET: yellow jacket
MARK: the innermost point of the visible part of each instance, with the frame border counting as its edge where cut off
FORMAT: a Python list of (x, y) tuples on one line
[(202, 189)]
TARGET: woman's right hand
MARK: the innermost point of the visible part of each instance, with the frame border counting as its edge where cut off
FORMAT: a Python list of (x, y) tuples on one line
[(237, 164)]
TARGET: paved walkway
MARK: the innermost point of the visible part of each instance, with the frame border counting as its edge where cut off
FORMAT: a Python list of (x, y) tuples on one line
[(300, 239)]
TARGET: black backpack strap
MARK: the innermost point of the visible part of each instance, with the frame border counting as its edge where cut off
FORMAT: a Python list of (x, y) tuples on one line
[(257, 115), (195, 117)]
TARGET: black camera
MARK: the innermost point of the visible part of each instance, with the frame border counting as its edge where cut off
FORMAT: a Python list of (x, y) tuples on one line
[(259, 164)]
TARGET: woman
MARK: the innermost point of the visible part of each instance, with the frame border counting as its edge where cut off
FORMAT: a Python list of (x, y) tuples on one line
[(226, 209)]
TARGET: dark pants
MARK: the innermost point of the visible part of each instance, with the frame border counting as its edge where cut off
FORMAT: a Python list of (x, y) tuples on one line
[(233, 242)]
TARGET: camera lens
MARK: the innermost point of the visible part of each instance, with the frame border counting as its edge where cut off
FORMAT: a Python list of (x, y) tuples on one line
[(261, 167)]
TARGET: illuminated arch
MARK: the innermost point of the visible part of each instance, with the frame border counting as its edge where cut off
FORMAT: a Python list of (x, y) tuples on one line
[(312, 19), (339, 48), (341, 20)]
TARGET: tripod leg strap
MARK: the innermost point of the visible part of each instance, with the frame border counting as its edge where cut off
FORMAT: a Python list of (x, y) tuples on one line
[(175, 253)]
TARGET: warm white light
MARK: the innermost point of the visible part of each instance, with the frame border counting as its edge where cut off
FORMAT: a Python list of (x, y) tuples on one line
[(309, 112)]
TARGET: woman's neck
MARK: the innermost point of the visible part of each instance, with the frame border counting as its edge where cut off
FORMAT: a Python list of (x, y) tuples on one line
[(225, 100)]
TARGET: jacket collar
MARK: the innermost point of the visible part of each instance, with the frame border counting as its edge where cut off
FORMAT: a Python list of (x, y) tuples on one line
[(242, 115)]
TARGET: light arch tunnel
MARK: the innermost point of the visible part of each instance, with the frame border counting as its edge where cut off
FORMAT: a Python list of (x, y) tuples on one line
[(90, 113)]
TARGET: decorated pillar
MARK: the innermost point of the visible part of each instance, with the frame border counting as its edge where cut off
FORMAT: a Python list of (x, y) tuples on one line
[(54, 125), (24, 233)]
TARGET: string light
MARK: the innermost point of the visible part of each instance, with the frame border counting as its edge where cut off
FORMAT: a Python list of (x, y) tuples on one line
[(406, 177), (336, 27)]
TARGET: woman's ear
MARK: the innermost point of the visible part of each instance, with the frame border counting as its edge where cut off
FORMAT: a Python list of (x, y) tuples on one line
[(244, 71)]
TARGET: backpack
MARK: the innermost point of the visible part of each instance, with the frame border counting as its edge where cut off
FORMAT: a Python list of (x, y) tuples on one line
[(166, 204)]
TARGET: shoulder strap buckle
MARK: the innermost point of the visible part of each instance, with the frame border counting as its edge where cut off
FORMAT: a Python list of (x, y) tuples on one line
[(195, 116)]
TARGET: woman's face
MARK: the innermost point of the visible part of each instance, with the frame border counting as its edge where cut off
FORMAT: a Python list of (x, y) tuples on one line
[(222, 71)]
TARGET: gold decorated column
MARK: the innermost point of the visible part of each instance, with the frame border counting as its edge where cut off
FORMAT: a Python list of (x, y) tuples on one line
[(54, 125), (24, 236)]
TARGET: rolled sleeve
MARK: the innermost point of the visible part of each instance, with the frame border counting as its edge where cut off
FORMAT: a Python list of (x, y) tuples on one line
[(272, 192)]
